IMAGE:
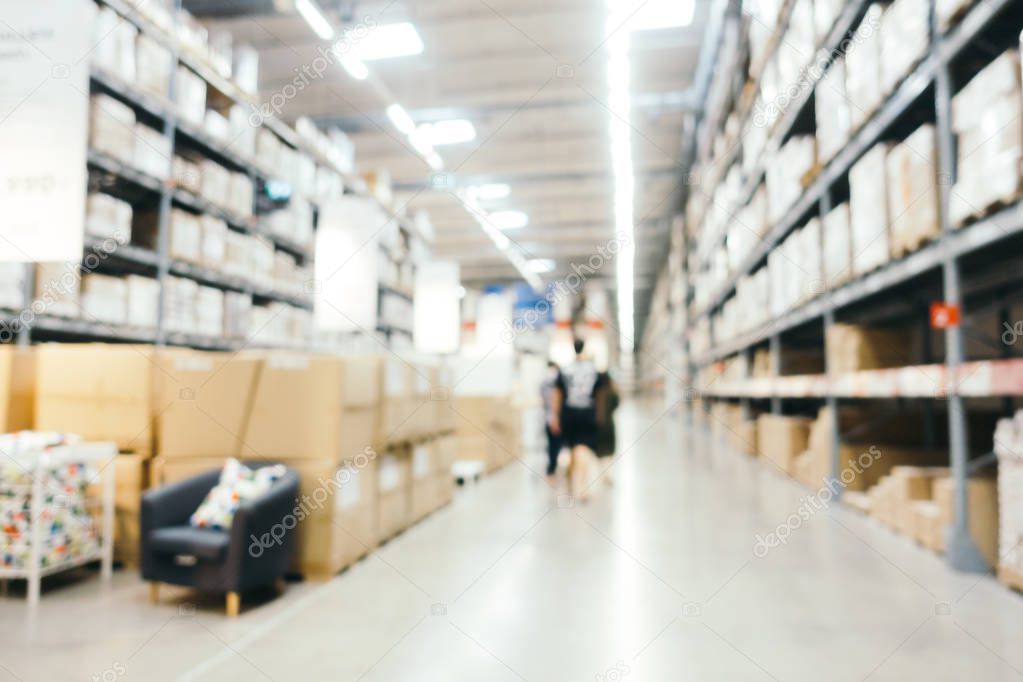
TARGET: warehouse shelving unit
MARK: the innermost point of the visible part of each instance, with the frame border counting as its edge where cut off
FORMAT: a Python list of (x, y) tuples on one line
[(938, 262)]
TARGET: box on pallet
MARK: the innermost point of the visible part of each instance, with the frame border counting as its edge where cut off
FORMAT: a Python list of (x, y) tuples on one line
[(394, 481), (982, 502), (781, 439), (905, 36), (868, 211), (837, 242), (912, 170), (852, 348), (335, 513), (316, 407), (988, 116)]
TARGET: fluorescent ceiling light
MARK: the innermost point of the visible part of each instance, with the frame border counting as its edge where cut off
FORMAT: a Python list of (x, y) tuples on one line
[(540, 265), (355, 67), (388, 41), (436, 163), (651, 15), (420, 143), (455, 131), (492, 191), (400, 118), (509, 220), (313, 16)]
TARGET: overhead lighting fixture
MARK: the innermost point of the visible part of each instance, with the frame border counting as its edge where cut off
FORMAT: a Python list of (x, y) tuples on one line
[(493, 191), (435, 161), (541, 265), (620, 105), (314, 16), (389, 41), (355, 67), (509, 220), (456, 131), (400, 118)]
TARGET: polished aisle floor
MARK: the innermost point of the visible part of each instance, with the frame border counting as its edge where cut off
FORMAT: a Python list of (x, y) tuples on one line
[(657, 578)]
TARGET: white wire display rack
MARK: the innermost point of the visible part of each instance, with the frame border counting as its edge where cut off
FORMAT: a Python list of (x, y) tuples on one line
[(38, 466)]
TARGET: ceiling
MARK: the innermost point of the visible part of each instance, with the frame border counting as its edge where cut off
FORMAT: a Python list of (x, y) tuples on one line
[(531, 75)]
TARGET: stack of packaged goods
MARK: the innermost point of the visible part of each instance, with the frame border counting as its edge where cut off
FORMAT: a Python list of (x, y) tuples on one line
[(987, 115), (1009, 449)]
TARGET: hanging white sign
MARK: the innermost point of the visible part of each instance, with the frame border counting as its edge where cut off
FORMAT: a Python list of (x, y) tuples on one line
[(347, 264), (44, 115)]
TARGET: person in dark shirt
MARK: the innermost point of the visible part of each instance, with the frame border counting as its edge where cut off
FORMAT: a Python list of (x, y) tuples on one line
[(548, 389), (575, 414)]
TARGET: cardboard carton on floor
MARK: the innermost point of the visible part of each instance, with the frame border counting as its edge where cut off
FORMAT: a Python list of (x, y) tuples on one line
[(101, 392), (313, 407), (781, 439), (335, 513), (982, 501), (927, 527), (394, 480), (201, 402)]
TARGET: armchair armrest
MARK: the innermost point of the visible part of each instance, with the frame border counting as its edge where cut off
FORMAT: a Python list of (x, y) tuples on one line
[(263, 532), (172, 504)]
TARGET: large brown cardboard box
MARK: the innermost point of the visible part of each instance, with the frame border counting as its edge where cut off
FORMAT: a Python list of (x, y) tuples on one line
[(394, 481), (423, 489), (17, 388), (313, 407), (982, 501), (101, 392), (335, 512), (927, 527), (852, 348), (201, 401), (131, 481), (743, 436), (781, 439), (447, 453)]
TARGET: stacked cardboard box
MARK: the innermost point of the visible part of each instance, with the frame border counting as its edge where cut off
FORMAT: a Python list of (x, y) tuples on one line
[(863, 67), (988, 116), (394, 488), (912, 169), (904, 39), (1009, 449), (852, 348), (781, 439), (487, 429), (432, 484), (892, 499), (868, 211)]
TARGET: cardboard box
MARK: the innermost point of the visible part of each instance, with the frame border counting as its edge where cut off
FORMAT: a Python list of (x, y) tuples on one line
[(143, 301), (104, 299), (113, 44), (108, 218), (154, 64), (837, 242), (782, 439), (912, 170), (863, 67), (982, 501), (100, 392), (112, 127), (905, 36), (834, 119), (152, 152), (394, 481), (58, 288), (853, 348), (131, 479), (335, 513), (868, 210), (201, 402), (928, 529), (314, 406)]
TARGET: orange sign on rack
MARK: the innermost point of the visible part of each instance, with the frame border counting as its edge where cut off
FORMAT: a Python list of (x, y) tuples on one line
[(945, 315)]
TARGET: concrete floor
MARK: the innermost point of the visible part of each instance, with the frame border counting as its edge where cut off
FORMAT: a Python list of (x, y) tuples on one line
[(654, 579)]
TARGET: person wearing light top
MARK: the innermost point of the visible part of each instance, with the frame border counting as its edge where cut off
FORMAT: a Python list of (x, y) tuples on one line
[(574, 416)]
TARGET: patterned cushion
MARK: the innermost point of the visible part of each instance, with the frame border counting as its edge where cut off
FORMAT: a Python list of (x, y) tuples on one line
[(238, 484)]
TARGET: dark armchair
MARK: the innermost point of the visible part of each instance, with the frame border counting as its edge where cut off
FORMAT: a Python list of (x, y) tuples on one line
[(255, 552)]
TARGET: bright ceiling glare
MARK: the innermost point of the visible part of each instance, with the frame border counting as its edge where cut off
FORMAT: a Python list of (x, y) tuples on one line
[(401, 119), (541, 266), (314, 16), (651, 16), (456, 131), (355, 67), (493, 191), (389, 41), (436, 163), (509, 220)]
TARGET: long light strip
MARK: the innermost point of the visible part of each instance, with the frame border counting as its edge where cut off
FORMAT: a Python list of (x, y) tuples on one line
[(620, 127), (314, 16)]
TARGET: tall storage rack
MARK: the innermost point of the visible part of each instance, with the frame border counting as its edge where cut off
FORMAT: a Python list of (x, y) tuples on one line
[(935, 270), (110, 172)]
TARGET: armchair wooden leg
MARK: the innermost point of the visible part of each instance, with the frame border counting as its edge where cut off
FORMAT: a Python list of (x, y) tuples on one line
[(234, 602), (279, 585), (154, 592)]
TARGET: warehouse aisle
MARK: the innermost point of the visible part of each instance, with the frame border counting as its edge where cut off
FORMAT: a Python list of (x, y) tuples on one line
[(656, 578)]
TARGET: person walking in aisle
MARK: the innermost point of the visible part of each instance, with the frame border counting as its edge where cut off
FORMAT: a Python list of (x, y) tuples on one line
[(547, 389), (575, 415)]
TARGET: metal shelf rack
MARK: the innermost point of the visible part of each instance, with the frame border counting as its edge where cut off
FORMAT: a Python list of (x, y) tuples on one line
[(955, 379)]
